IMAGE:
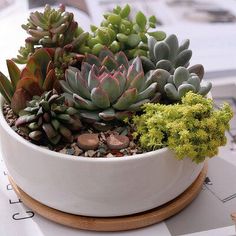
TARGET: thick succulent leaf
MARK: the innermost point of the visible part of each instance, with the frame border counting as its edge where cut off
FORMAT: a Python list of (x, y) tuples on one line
[(183, 58), (25, 73), (131, 74), (184, 45), (66, 133), (30, 86), (89, 116), (110, 63), (159, 76), (92, 60), (93, 80), (137, 64), (121, 79), (42, 58), (138, 81), (205, 88), (100, 98), (181, 74), (50, 66), (138, 105), (122, 59), (66, 88), (22, 120), (102, 70), (198, 69), (151, 43), (55, 123), (148, 92), (6, 88), (36, 135), (55, 140), (165, 65), (49, 130), (104, 53), (49, 80), (184, 88), (83, 103), (108, 114), (147, 64), (126, 99), (71, 78), (85, 68), (173, 44), (82, 86), (19, 100), (111, 86), (171, 92), (14, 73), (195, 81), (161, 51)]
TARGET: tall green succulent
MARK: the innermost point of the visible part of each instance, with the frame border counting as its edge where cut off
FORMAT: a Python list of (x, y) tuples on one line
[(119, 33), (167, 54), (108, 88), (36, 77), (48, 118), (174, 87), (55, 29)]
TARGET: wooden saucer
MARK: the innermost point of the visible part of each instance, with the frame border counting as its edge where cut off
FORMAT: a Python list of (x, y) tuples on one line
[(115, 223)]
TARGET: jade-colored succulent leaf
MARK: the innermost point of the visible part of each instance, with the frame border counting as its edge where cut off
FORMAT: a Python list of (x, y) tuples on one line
[(110, 63), (126, 99), (122, 59), (166, 65), (173, 44), (14, 73), (141, 20), (183, 57), (195, 81), (158, 35), (171, 92), (184, 88), (108, 114), (181, 74), (83, 103), (161, 51), (148, 92), (100, 98), (205, 88)]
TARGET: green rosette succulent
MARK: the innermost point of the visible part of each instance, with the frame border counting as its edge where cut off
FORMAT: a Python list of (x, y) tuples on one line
[(54, 29), (107, 88), (174, 87), (119, 33), (48, 119), (167, 54)]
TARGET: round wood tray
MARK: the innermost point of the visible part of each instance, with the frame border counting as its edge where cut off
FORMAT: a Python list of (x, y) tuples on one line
[(115, 223)]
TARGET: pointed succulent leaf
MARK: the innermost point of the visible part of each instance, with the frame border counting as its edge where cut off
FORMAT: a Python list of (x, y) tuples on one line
[(49, 80), (138, 81), (121, 80), (82, 86), (30, 86), (126, 99), (161, 51), (181, 74), (89, 116), (171, 92), (93, 80), (100, 98), (183, 58), (66, 88), (108, 114), (205, 88), (92, 60), (19, 100), (158, 35), (83, 103), (85, 68), (137, 63), (111, 86), (6, 88), (104, 53), (14, 73), (122, 59), (110, 63), (148, 93), (184, 88), (173, 44)]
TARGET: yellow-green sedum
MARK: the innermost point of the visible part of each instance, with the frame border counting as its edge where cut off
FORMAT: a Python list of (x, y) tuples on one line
[(192, 129)]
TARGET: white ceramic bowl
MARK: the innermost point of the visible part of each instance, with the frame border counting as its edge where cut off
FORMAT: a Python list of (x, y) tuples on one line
[(95, 186)]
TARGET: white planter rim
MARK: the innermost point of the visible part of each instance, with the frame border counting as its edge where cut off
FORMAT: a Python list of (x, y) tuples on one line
[(45, 151)]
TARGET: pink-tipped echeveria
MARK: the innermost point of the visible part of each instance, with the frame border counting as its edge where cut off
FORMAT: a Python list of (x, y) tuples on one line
[(108, 88)]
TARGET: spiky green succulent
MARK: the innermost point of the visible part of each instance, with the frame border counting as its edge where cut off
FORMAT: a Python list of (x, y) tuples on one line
[(108, 88), (48, 118), (174, 87), (167, 54), (55, 29), (119, 33), (36, 77)]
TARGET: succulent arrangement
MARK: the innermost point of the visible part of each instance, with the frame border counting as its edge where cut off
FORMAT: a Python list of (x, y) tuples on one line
[(121, 87)]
